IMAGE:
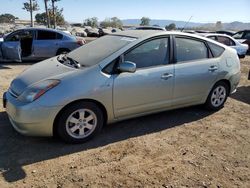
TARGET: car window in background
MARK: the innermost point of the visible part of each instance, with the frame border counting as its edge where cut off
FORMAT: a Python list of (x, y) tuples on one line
[(46, 35), (212, 37), (152, 53), (238, 35), (225, 40), (247, 35), (216, 50), (92, 53), (188, 50)]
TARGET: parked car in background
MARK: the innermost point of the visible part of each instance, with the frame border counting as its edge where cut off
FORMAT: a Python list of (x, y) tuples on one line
[(37, 43), (104, 31), (92, 32), (150, 28), (226, 32), (140, 72), (243, 37), (229, 41)]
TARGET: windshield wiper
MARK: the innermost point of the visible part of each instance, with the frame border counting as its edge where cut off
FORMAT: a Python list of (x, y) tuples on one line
[(64, 59)]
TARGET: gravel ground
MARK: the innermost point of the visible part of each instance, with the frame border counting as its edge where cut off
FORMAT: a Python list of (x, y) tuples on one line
[(182, 148)]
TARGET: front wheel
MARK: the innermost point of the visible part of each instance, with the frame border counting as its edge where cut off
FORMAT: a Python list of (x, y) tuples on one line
[(217, 96), (80, 122)]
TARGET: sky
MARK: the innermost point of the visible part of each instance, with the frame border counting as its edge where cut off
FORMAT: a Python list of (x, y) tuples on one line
[(203, 11)]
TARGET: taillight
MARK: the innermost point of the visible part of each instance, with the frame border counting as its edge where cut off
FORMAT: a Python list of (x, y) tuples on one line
[(81, 42)]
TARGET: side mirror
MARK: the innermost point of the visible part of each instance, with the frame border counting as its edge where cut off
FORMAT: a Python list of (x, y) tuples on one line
[(127, 66)]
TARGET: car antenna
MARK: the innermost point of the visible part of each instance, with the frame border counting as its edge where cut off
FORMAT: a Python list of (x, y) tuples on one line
[(186, 23)]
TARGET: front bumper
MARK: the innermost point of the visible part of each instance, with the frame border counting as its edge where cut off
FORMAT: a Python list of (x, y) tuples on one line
[(30, 119)]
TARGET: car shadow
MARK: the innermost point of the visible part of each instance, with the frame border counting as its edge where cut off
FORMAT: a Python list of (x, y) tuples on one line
[(17, 151), (242, 94), (4, 67)]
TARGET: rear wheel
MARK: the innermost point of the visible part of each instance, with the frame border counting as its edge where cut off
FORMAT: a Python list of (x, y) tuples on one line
[(217, 96), (80, 122)]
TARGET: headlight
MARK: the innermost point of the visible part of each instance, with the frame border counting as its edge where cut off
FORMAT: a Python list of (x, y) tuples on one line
[(37, 90)]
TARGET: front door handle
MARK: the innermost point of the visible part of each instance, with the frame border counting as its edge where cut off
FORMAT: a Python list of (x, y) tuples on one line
[(213, 68), (166, 76)]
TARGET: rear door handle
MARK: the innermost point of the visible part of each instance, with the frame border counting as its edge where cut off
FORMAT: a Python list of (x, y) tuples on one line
[(166, 76), (213, 68)]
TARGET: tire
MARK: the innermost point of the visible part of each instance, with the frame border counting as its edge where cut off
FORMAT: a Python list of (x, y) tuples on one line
[(217, 96), (80, 122), (62, 51)]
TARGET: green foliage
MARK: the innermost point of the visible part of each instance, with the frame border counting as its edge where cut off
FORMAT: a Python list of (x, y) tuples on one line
[(41, 18), (7, 18), (28, 7), (145, 21), (171, 26), (111, 22), (93, 22)]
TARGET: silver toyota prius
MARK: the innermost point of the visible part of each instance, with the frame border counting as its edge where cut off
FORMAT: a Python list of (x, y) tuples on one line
[(120, 76)]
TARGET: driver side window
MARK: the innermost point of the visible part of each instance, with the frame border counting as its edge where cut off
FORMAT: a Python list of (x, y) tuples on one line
[(148, 54), (14, 36)]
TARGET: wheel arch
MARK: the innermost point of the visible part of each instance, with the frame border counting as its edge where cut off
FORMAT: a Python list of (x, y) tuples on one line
[(99, 104), (222, 80)]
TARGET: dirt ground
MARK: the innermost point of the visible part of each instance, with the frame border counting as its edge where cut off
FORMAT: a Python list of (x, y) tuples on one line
[(182, 148)]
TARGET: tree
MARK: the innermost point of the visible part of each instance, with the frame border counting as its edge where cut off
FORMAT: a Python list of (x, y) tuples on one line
[(54, 12), (93, 22), (31, 6), (47, 13), (7, 18), (218, 25), (41, 18), (111, 22), (145, 21), (171, 26)]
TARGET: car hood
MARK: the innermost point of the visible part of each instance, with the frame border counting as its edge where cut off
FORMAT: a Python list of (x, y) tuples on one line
[(47, 69)]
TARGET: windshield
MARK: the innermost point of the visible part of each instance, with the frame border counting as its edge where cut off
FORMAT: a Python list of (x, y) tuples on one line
[(95, 51)]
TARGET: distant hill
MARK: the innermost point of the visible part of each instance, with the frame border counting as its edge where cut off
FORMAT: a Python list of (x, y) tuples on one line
[(180, 24)]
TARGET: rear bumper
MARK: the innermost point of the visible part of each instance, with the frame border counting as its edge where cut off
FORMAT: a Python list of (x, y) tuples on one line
[(234, 81), (30, 119)]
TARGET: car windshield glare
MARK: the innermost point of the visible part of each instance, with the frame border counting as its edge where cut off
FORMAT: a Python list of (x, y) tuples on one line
[(97, 50)]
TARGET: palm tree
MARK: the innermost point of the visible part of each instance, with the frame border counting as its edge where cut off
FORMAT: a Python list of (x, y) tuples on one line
[(31, 6), (47, 13), (54, 11)]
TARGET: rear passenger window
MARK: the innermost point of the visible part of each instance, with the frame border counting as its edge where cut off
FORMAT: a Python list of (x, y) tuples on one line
[(46, 35), (216, 50), (225, 40), (59, 36), (189, 49)]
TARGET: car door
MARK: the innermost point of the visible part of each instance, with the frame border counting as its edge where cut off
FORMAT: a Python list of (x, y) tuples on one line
[(45, 44), (11, 48), (195, 71), (150, 88)]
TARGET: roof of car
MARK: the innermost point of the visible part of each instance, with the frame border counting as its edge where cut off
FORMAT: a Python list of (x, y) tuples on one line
[(43, 29), (139, 34)]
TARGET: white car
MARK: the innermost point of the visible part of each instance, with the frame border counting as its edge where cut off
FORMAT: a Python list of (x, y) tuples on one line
[(229, 41)]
